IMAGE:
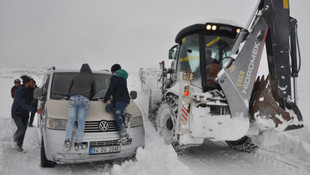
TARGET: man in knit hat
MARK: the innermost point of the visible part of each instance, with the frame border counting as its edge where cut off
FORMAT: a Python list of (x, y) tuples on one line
[(21, 108), (16, 85)]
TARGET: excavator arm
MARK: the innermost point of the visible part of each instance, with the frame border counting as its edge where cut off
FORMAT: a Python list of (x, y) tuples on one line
[(268, 101)]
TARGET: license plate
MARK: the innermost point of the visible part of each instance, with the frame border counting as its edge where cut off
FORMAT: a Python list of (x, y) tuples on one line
[(105, 149)]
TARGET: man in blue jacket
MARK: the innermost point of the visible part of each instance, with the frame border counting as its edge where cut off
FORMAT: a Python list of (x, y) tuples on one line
[(20, 110), (120, 99)]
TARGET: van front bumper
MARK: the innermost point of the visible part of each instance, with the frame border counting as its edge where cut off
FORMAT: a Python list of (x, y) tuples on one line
[(54, 146)]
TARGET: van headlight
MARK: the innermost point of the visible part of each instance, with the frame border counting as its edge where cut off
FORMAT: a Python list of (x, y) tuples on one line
[(57, 124), (136, 121)]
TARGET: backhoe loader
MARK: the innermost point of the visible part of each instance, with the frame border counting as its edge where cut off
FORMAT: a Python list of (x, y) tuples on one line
[(211, 91)]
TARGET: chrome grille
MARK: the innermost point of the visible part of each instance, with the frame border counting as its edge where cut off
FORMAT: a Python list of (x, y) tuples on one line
[(104, 143), (93, 126)]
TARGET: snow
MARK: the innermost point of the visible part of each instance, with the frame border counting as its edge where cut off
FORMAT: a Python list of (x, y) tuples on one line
[(278, 153), (218, 127)]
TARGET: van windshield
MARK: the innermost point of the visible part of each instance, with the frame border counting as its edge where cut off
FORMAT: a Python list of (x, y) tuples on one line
[(61, 84)]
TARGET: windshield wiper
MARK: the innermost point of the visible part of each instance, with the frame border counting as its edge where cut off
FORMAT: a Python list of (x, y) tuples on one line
[(97, 98), (65, 96)]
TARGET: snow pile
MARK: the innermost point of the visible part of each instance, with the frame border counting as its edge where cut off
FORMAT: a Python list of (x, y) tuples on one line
[(149, 78), (13, 73), (296, 142), (155, 158), (220, 127)]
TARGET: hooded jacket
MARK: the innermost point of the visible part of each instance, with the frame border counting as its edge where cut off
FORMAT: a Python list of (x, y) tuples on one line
[(118, 87), (83, 83), (21, 104)]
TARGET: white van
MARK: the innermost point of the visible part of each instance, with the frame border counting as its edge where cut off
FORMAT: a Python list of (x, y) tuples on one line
[(102, 142)]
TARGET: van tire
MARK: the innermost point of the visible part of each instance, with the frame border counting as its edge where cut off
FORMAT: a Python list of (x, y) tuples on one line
[(44, 162)]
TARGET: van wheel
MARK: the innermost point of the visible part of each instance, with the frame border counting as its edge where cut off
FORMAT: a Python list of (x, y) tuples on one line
[(44, 161)]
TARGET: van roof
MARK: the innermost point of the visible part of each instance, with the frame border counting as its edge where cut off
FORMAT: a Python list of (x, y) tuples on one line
[(78, 70)]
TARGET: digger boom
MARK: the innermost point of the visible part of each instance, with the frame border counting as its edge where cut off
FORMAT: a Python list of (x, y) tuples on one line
[(270, 24)]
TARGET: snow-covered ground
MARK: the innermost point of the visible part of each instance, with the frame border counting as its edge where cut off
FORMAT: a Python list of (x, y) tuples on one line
[(284, 153)]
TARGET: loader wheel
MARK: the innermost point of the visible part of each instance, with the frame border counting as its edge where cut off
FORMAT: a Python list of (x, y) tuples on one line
[(164, 123), (244, 144)]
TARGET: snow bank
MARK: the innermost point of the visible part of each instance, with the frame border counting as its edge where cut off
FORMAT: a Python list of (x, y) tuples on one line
[(155, 158)]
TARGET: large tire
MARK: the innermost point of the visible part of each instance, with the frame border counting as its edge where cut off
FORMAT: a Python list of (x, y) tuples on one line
[(164, 123), (44, 162), (244, 144)]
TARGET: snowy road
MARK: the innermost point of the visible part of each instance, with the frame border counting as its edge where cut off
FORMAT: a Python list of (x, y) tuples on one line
[(286, 153), (218, 158)]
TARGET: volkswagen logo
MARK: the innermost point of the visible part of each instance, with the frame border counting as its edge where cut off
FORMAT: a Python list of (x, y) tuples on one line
[(103, 126)]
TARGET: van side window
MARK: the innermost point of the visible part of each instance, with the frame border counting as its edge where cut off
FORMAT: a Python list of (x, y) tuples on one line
[(45, 85)]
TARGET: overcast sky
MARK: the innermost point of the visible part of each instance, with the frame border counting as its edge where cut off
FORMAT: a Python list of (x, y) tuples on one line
[(133, 33)]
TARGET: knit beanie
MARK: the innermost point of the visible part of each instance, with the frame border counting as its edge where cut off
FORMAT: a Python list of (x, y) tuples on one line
[(25, 79), (115, 67)]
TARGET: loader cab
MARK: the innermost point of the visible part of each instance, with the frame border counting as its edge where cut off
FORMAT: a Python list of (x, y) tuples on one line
[(203, 49)]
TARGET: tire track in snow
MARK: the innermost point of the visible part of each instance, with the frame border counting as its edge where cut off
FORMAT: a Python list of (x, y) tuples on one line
[(217, 158)]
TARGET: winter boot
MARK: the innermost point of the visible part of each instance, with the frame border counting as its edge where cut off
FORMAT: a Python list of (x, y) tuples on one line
[(67, 145), (125, 140), (30, 125), (20, 149), (127, 118)]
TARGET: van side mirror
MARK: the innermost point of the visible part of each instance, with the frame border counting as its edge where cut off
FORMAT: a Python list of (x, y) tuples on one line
[(38, 94), (133, 94)]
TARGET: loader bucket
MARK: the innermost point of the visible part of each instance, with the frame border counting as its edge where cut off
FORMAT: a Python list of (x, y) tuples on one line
[(270, 111)]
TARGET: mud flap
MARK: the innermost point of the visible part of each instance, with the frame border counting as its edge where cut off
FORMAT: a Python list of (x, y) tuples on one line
[(271, 112)]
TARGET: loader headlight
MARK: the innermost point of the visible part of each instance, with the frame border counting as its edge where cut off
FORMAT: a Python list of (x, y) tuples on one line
[(208, 27), (211, 27), (57, 124), (136, 121), (214, 27), (238, 30)]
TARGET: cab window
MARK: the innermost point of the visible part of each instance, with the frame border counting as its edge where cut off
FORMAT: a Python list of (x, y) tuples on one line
[(189, 57)]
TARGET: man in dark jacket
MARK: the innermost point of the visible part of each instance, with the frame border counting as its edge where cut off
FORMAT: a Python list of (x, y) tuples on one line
[(120, 98), (20, 110), (82, 89)]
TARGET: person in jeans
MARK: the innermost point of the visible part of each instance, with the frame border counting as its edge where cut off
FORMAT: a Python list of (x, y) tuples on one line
[(120, 99), (82, 89), (20, 110)]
